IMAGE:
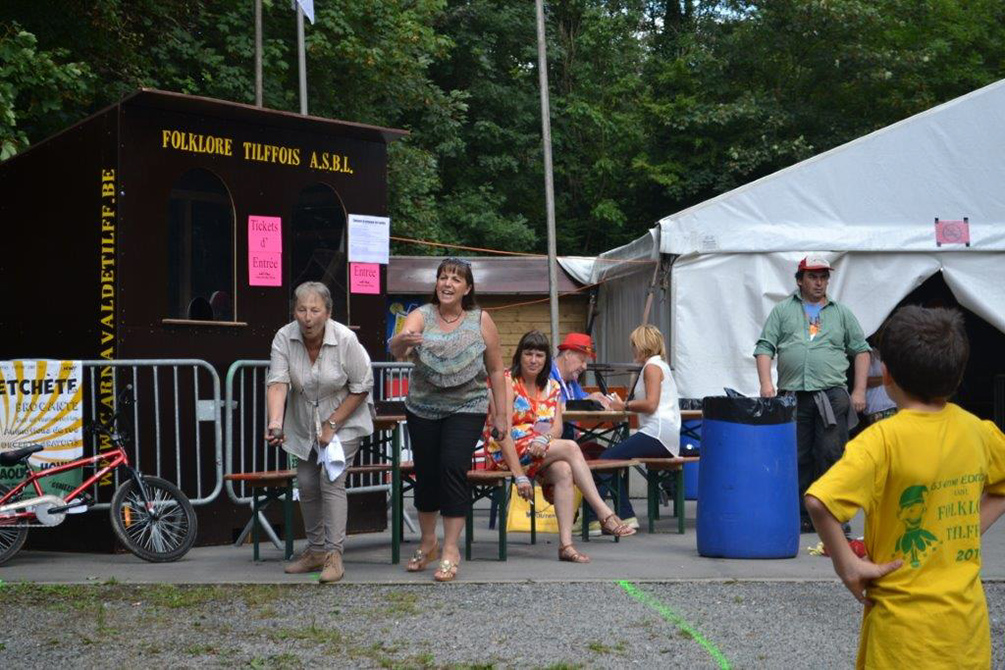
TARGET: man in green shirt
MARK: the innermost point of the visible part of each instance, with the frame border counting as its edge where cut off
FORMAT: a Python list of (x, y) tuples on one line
[(812, 336)]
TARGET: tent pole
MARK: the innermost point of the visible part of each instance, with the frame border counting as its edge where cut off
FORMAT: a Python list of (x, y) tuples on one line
[(258, 53), (301, 59), (549, 179), (645, 317)]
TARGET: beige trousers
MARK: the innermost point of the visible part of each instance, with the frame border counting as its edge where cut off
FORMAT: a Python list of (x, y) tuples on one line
[(323, 502)]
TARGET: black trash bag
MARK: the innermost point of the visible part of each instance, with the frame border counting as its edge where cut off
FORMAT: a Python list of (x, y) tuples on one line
[(690, 403), (737, 408)]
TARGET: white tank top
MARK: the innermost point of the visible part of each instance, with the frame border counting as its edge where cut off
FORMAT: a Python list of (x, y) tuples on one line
[(664, 423)]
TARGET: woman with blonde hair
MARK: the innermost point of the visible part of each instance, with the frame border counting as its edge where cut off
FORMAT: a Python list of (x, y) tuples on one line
[(655, 400)]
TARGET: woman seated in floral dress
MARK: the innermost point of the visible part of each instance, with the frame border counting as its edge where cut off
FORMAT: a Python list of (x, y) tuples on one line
[(534, 448)]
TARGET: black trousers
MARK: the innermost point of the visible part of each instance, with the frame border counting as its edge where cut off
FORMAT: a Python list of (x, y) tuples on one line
[(441, 450), (819, 446)]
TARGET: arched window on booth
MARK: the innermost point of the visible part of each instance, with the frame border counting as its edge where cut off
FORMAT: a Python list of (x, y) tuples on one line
[(201, 278), (319, 245)]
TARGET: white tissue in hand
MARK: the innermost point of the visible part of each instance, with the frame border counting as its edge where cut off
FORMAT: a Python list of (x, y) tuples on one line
[(333, 458)]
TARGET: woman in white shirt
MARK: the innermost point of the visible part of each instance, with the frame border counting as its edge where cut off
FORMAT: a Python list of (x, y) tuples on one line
[(658, 405)]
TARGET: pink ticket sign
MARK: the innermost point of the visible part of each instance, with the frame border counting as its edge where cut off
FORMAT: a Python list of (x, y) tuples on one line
[(265, 251), (364, 278)]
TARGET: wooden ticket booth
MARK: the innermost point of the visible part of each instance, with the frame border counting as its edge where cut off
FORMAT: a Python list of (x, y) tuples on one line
[(140, 235)]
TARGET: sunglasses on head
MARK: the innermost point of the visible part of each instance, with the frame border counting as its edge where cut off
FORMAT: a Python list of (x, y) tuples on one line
[(454, 260)]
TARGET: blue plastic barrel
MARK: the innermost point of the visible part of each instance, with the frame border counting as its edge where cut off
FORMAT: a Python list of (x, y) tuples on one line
[(690, 445), (748, 485)]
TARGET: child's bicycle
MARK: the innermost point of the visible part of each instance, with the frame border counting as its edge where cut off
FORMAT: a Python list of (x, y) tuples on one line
[(151, 516)]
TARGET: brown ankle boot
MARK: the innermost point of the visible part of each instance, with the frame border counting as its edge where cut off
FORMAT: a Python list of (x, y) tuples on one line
[(333, 569), (309, 561)]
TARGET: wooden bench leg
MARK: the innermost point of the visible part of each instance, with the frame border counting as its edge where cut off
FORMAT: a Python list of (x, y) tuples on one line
[(503, 494), (679, 499), (533, 518), (288, 519), (254, 526), (469, 529), (585, 526), (652, 497)]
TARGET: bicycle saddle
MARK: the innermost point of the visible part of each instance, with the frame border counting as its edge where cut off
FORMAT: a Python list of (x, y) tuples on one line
[(14, 456)]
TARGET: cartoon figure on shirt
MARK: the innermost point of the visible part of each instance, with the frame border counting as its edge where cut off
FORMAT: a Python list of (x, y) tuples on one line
[(812, 319), (915, 539)]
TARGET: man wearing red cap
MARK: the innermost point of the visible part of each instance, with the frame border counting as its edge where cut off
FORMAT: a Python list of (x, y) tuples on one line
[(812, 337), (574, 352)]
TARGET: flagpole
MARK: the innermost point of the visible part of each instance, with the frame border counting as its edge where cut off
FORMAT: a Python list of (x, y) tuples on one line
[(258, 53), (302, 59), (549, 180)]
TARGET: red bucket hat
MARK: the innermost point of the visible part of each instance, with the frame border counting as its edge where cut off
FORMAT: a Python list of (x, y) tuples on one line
[(578, 342)]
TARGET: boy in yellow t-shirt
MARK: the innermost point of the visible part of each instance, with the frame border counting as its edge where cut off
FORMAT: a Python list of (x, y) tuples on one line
[(931, 480)]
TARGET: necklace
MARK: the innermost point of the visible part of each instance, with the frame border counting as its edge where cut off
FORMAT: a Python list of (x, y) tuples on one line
[(445, 319)]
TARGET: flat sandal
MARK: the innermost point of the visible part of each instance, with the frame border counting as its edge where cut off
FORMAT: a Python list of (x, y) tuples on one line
[(616, 527), (568, 553)]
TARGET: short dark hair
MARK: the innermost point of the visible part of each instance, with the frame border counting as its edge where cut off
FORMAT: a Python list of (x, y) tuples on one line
[(800, 273), (536, 341), (925, 350), (463, 268)]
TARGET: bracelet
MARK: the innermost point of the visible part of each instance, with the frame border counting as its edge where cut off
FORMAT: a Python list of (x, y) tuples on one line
[(522, 479)]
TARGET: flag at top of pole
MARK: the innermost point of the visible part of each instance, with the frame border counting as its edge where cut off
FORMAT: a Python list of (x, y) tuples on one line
[(307, 6)]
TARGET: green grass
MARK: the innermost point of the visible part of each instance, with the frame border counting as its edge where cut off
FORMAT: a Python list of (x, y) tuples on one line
[(285, 661), (181, 597), (313, 633), (601, 648), (401, 604)]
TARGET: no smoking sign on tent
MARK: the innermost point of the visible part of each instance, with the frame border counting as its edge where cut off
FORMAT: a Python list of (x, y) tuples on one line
[(952, 232)]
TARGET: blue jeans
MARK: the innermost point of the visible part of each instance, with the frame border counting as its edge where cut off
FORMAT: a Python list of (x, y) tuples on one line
[(638, 445)]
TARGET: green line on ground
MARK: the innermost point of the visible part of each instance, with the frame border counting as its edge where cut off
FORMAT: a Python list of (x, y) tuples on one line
[(676, 620)]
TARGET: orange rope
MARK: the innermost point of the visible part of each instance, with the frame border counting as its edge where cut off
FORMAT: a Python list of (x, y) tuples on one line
[(534, 302), (501, 252)]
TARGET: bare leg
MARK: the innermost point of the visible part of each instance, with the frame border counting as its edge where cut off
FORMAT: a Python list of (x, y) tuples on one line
[(452, 527), (568, 451), (427, 526), (560, 474)]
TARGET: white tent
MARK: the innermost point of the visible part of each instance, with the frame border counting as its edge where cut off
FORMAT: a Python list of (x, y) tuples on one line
[(869, 205)]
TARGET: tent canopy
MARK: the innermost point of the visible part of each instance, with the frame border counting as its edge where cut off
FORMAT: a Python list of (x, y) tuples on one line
[(881, 192), (869, 206)]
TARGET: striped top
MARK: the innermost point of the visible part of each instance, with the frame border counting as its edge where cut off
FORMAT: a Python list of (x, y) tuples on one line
[(449, 374)]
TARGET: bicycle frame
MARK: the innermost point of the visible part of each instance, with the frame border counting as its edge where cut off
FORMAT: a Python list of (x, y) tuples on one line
[(115, 457)]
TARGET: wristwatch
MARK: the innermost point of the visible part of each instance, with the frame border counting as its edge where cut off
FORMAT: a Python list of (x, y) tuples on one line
[(332, 424)]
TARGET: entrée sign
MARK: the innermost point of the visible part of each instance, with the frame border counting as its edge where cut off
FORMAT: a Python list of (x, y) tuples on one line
[(265, 251), (198, 143)]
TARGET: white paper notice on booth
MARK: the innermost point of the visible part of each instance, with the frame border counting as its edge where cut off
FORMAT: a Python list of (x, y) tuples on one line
[(369, 239)]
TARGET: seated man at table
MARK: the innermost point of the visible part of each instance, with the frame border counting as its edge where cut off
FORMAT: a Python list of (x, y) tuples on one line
[(566, 368)]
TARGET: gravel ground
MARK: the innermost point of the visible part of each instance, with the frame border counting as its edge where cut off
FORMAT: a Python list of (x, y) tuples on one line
[(545, 625)]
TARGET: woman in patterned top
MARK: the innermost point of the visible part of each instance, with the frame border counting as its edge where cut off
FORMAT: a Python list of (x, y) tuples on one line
[(535, 447), (455, 348)]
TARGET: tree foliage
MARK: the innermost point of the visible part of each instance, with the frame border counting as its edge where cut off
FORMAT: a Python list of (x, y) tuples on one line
[(656, 105)]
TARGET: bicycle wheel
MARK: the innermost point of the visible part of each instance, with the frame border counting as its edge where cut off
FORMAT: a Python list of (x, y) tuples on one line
[(11, 539), (161, 531)]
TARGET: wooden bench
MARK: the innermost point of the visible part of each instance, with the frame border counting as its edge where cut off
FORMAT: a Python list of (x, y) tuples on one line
[(278, 485), (483, 484), (659, 471), (274, 485)]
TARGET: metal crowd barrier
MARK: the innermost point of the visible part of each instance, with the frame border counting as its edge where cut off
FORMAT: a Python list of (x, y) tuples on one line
[(168, 409), (246, 422)]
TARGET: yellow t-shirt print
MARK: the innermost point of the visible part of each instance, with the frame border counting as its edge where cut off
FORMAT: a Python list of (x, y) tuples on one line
[(916, 541)]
